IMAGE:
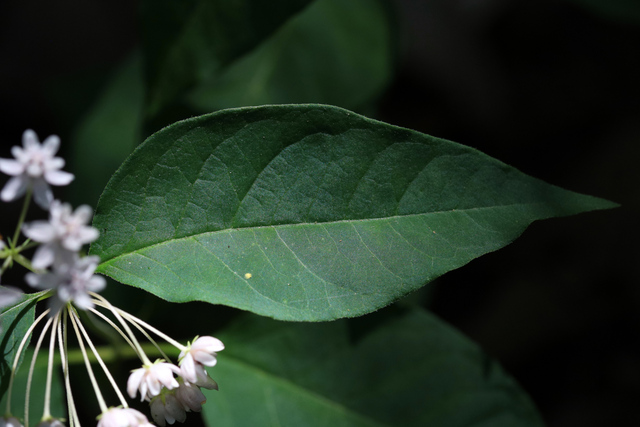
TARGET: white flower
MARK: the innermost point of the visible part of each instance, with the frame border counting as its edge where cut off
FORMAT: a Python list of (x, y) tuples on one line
[(166, 408), (10, 422), (2, 245), (35, 166), (73, 282), (203, 351), (51, 423), (190, 396), (123, 417), (63, 234), (150, 378)]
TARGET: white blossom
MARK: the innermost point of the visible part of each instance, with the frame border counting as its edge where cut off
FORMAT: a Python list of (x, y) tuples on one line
[(166, 408), (72, 283), (10, 422), (62, 235), (149, 379), (51, 423), (35, 166), (203, 351), (190, 396), (123, 417)]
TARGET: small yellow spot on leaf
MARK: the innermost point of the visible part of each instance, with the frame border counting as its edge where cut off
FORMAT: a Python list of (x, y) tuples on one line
[(247, 276)]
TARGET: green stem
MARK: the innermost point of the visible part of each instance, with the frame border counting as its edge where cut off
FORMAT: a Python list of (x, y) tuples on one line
[(14, 368), (24, 262), (46, 413), (23, 215), (27, 395)]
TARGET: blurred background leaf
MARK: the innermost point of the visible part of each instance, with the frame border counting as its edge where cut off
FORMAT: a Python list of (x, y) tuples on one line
[(347, 63), (411, 370), (36, 402), (16, 320), (187, 41), (109, 131)]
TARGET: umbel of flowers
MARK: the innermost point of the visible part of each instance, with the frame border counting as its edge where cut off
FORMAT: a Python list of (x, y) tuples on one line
[(69, 284)]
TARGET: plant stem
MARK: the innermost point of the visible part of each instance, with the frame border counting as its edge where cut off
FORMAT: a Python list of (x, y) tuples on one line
[(62, 344), (107, 304), (123, 402), (46, 413), (23, 215), (74, 318), (134, 319), (31, 368), (17, 358)]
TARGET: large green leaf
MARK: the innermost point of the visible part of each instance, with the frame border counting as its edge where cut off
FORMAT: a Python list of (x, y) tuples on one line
[(16, 320), (188, 40), (330, 213), (334, 52), (411, 371)]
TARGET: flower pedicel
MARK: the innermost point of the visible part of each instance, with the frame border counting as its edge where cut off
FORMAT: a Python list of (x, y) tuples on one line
[(71, 285)]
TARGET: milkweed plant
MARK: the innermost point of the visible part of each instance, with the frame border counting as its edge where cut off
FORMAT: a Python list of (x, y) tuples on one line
[(297, 216), (67, 282)]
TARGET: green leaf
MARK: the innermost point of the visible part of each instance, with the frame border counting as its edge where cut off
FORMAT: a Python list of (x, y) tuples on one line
[(411, 371), (36, 401), (346, 63), (189, 40), (16, 320), (110, 130), (330, 213)]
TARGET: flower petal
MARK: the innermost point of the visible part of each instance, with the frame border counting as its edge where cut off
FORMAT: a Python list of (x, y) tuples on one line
[(96, 284), (188, 369), (206, 359), (42, 193), (209, 344), (44, 257), (133, 383), (55, 177), (14, 188), (83, 301), (88, 234), (11, 167), (54, 163), (83, 214), (30, 139), (51, 144), (39, 231)]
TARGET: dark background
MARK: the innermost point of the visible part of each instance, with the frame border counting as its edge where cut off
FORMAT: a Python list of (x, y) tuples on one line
[(550, 87)]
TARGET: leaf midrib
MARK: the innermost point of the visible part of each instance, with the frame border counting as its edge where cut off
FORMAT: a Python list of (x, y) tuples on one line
[(301, 224)]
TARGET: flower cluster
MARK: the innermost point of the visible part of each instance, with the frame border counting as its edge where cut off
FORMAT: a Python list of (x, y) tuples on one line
[(172, 398), (68, 281)]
